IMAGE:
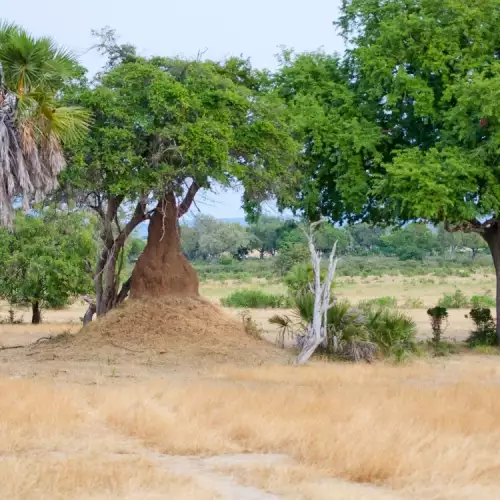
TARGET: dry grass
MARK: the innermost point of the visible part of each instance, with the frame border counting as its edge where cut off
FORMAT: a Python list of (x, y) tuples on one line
[(422, 431)]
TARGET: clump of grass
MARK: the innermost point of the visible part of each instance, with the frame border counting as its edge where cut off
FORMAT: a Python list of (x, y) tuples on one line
[(11, 318), (256, 299), (250, 326), (478, 301), (458, 300), (388, 302), (413, 303)]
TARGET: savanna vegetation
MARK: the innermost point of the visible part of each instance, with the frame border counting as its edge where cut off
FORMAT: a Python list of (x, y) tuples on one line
[(382, 255)]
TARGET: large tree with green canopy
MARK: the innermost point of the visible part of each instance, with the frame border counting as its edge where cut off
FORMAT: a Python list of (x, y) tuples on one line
[(164, 129), (417, 134)]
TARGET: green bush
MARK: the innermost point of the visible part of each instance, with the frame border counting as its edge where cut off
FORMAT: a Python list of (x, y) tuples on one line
[(485, 331), (439, 321), (300, 276), (456, 301), (479, 301), (256, 299), (226, 260), (386, 301), (393, 331)]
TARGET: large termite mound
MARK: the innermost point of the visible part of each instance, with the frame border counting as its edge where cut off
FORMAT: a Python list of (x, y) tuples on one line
[(162, 269), (174, 330)]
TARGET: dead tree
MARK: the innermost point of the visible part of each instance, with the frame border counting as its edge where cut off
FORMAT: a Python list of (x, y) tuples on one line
[(317, 330)]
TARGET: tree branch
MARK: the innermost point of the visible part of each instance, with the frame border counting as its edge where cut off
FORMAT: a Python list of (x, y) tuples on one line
[(185, 205)]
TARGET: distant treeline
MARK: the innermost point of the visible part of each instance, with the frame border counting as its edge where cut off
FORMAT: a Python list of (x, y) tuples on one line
[(212, 240)]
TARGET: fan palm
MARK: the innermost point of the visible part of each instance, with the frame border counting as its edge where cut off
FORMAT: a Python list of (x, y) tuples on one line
[(33, 124)]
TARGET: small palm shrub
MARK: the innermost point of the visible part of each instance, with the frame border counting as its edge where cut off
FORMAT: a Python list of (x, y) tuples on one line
[(256, 299), (299, 278), (484, 333), (353, 333), (393, 331)]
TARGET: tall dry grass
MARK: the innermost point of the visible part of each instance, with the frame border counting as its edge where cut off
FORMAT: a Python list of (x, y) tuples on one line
[(422, 431)]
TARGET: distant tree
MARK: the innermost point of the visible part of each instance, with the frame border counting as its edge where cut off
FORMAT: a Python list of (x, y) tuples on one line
[(327, 234), (414, 241), (190, 242), (472, 241), (218, 237), (134, 249), (365, 238), (266, 232), (47, 260)]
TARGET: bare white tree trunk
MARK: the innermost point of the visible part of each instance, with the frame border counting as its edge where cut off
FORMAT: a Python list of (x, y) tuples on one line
[(317, 329)]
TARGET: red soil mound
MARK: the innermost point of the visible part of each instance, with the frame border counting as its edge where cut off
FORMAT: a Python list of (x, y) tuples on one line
[(177, 330)]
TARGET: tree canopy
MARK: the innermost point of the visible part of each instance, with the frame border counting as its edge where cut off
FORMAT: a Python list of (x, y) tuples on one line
[(165, 128), (47, 260)]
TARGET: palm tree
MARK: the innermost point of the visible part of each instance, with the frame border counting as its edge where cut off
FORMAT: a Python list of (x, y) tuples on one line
[(33, 123)]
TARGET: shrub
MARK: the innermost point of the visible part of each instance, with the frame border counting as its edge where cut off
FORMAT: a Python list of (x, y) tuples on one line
[(393, 332), (479, 301), (380, 302), (456, 301), (300, 276), (439, 318), (485, 331), (226, 260), (255, 299), (413, 303)]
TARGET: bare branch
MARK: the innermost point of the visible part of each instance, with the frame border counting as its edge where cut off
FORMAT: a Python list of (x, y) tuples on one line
[(185, 205)]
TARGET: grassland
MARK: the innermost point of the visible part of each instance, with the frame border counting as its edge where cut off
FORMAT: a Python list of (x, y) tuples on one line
[(140, 430)]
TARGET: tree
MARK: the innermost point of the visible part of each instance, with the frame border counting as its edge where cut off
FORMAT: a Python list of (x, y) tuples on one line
[(47, 260), (422, 79), (365, 238), (135, 248), (216, 237), (163, 130), (414, 241), (33, 123), (472, 241), (266, 232), (326, 235)]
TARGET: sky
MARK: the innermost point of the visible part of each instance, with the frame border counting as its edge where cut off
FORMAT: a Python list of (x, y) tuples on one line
[(219, 28)]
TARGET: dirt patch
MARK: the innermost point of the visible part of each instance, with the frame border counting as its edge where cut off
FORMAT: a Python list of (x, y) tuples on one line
[(177, 330)]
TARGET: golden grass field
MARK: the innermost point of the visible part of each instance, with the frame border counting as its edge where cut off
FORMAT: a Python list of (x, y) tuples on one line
[(138, 430)]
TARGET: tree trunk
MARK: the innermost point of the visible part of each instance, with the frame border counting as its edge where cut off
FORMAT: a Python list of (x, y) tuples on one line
[(492, 237), (162, 269), (36, 316), (261, 253)]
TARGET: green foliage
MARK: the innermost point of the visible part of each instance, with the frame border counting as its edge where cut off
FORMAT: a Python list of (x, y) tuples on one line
[(255, 299), (159, 122), (266, 233), (390, 302), (134, 249), (300, 277), (481, 301), (393, 331), (290, 255), (46, 258), (413, 242), (484, 333), (456, 301), (438, 316)]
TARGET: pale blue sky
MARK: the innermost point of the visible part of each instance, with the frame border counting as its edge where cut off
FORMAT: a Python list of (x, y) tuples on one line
[(222, 28)]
